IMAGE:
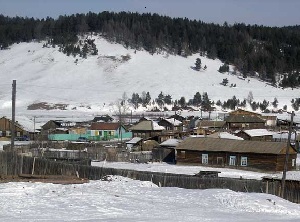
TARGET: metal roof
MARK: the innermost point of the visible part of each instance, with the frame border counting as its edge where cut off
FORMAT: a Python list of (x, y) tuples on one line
[(234, 146)]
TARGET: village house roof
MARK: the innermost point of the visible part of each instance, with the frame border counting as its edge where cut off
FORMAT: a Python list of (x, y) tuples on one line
[(147, 125), (243, 112), (234, 146), (103, 118), (134, 140), (224, 135), (105, 126), (244, 119), (258, 132), (170, 143), (174, 121), (211, 124)]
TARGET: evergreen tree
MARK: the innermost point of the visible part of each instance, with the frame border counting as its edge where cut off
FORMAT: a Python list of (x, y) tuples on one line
[(182, 102), (198, 64), (160, 100), (225, 82), (275, 103), (197, 99)]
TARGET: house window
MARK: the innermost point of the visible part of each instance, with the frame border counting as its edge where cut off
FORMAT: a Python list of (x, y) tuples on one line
[(204, 158), (232, 160), (293, 162), (244, 161), (7, 133), (182, 154)]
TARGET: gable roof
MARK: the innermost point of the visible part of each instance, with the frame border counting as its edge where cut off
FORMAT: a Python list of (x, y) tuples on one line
[(147, 125), (244, 119), (173, 121), (103, 118), (21, 123), (105, 126), (234, 146), (243, 112)]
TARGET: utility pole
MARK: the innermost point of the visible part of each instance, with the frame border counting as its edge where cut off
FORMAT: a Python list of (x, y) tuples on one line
[(12, 128), (287, 156), (34, 128)]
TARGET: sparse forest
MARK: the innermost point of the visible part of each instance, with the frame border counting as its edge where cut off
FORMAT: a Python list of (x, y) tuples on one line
[(251, 48)]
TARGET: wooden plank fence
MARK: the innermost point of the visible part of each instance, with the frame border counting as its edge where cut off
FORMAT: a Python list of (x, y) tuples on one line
[(14, 164)]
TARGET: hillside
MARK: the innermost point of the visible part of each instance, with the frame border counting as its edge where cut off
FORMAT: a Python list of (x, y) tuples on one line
[(44, 74)]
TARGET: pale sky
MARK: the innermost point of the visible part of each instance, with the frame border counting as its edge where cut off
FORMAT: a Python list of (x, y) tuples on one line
[(261, 12)]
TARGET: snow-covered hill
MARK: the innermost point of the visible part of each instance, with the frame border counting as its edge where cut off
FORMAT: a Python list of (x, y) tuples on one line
[(93, 84)]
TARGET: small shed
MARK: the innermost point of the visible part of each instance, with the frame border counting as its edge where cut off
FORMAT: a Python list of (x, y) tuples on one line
[(256, 134)]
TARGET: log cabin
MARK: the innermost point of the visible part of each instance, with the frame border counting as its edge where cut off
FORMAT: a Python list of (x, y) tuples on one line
[(238, 154)]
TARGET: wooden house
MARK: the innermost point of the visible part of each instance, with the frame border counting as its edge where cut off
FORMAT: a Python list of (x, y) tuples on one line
[(206, 127), (108, 131), (241, 119), (171, 124), (53, 124), (256, 134), (146, 129), (240, 154), (5, 129)]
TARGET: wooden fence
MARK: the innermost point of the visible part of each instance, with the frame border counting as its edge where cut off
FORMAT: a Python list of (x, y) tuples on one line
[(13, 164)]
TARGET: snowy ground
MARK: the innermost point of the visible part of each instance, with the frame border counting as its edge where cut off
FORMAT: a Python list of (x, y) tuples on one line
[(123, 199), (191, 170), (91, 85)]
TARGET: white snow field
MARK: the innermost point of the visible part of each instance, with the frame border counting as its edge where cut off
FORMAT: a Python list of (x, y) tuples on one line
[(123, 199), (47, 75)]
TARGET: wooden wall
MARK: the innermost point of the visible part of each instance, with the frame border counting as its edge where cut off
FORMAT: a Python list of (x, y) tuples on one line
[(256, 162)]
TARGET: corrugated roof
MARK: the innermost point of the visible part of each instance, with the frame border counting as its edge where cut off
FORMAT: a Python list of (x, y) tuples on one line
[(228, 145), (105, 126)]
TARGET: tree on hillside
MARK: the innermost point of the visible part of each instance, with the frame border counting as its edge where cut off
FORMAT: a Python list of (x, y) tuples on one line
[(206, 103), (225, 82), (182, 102), (250, 97), (168, 99), (146, 98), (198, 64), (224, 68), (275, 103), (197, 99), (160, 100), (135, 100)]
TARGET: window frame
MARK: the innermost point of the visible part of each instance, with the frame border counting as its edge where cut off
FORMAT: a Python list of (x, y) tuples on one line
[(231, 158), (204, 158), (244, 161)]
